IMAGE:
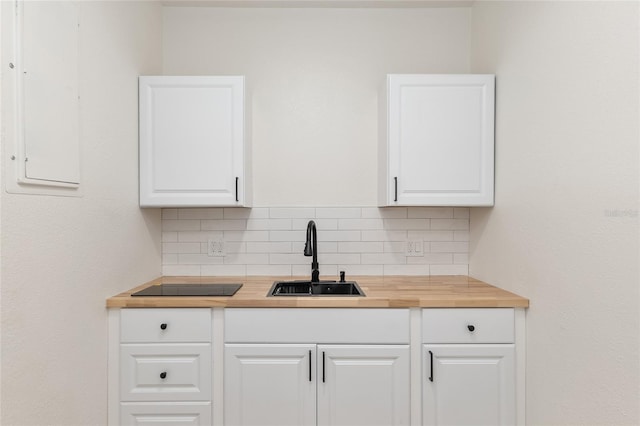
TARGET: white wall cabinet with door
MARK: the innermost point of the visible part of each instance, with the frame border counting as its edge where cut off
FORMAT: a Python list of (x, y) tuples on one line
[(469, 367), (436, 140), (193, 142), (362, 379)]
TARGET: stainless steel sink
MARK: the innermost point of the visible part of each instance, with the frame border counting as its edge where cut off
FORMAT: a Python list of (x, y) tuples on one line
[(322, 288)]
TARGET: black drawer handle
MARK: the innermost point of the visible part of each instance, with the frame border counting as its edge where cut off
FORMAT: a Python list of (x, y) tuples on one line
[(163, 375), (163, 326), (431, 365), (471, 327)]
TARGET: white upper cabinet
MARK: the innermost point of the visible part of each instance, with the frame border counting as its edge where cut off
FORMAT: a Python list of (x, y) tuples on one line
[(193, 146), (437, 140)]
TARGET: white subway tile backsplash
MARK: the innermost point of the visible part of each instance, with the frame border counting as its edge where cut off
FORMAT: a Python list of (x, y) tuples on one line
[(395, 246), (460, 235), (246, 259), (360, 247), (181, 248), (360, 224), (247, 235), (430, 212), (292, 213), (450, 224), (180, 225), (270, 241), (351, 270), (384, 213), (273, 270), (461, 258), (170, 259), (449, 247), (199, 236), (431, 235), (223, 225), (339, 236), (323, 247), (335, 258), (449, 269), (246, 213), (198, 259), (414, 224), (338, 212), (169, 214), (321, 224), (383, 258), (170, 237), (289, 259), (384, 235), (461, 213), (214, 213), (223, 270), (406, 270), (269, 247), (269, 224)]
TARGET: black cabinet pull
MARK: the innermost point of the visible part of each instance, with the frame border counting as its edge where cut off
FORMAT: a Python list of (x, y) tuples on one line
[(431, 362), (237, 179), (322, 366), (471, 327), (309, 364), (163, 375), (163, 326), (395, 181)]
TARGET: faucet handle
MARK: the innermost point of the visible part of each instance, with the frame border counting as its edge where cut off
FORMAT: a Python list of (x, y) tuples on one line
[(342, 276)]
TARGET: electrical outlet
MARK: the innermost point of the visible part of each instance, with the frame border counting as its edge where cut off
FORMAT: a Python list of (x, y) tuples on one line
[(215, 247), (414, 248)]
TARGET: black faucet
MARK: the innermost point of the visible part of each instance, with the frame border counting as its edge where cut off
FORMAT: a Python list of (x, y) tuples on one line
[(310, 250)]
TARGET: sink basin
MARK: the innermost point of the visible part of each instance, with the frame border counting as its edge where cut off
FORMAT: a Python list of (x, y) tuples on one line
[(322, 288)]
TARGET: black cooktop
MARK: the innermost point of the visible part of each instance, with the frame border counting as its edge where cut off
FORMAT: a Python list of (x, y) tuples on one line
[(189, 290)]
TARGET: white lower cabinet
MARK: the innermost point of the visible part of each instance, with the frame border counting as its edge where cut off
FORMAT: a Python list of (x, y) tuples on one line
[(270, 385), (308, 384), (307, 367), (160, 367), (468, 367), (469, 385), (363, 385)]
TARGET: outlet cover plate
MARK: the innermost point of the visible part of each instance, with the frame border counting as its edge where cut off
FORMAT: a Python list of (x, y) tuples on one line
[(215, 247)]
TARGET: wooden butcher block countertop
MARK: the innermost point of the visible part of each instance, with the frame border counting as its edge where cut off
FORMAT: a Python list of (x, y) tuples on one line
[(381, 292)]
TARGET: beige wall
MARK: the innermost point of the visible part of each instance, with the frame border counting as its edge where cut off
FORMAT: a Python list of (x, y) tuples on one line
[(314, 76), (62, 256), (564, 230)]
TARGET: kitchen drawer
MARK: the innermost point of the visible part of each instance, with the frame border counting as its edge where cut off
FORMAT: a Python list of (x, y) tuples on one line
[(170, 372), (174, 414), (155, 325), (474, 325)]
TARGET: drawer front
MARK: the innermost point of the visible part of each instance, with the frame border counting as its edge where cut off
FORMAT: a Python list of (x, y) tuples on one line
[(327, 325), (176, 372), (155, 325), (475, 325), (176, 414)]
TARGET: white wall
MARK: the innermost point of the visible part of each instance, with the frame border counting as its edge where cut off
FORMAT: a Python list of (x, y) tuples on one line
[(314, 76), (62, 256), (564, 230)]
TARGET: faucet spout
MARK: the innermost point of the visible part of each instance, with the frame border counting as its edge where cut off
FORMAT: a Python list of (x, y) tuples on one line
[(311, 249)]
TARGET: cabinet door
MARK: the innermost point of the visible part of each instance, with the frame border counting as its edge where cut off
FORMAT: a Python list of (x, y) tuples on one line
[(440, 140), (269, 385), (363, 385), (192, 141), (469, 385)]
